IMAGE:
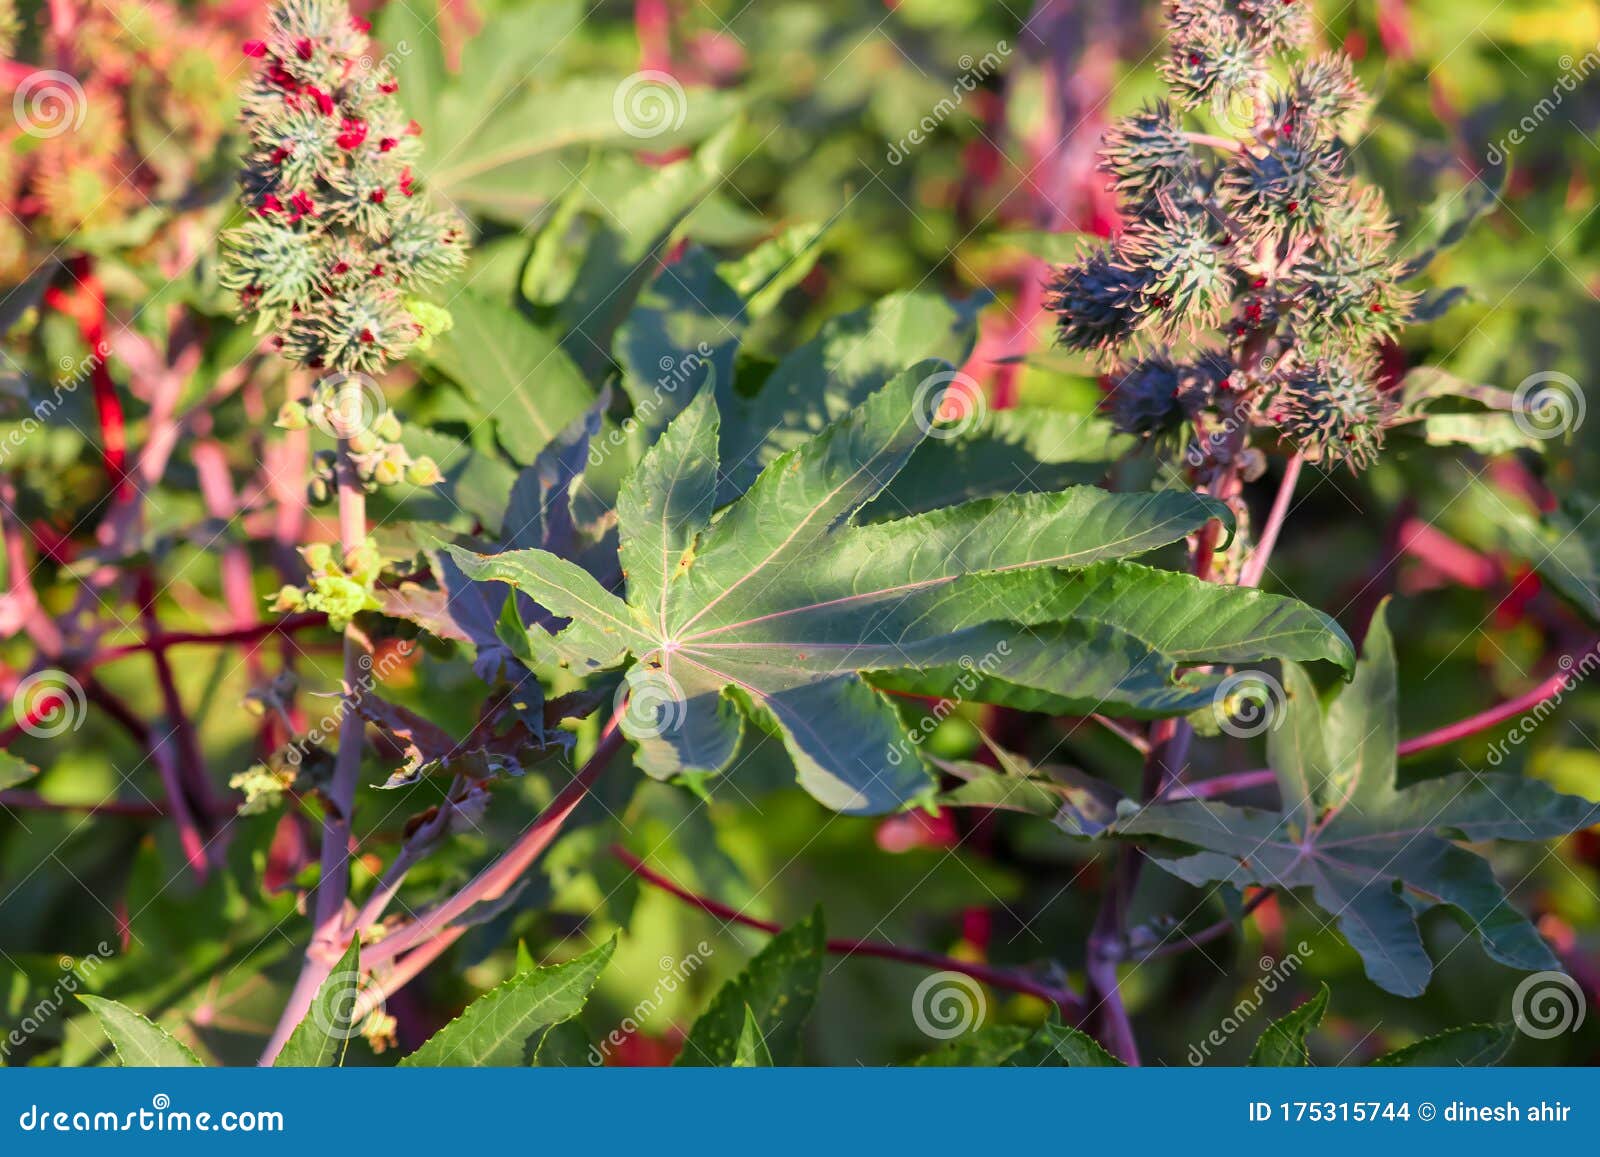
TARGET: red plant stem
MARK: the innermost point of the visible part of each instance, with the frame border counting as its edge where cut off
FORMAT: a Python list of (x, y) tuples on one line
[(258, 632), (1212, 932), (1550, 688), (1070, 1004), (33, 801), (86, 305), (496, 879), (1256, 566), (192, 762), (328, 935)]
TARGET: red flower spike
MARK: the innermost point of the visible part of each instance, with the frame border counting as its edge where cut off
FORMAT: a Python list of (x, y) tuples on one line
[(352, 132), (255, 48)]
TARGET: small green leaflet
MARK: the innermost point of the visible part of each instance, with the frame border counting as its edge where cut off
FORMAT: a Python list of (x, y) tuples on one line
[(1471, 1045), (14, 770), (751, 1052), (787, 609), (320, 1040), (1052, 1044), (1370, 854), (1283, 1044), (505, 1025), (139, 1043), (769, 1001)]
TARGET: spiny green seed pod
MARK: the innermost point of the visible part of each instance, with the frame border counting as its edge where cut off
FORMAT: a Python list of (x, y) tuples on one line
[(1332, 412), (1285, 186), (1211, 61), (1277, 25), (1324, 92), (341, 238), (1347, 286), (1188, 280), (1147, 155)]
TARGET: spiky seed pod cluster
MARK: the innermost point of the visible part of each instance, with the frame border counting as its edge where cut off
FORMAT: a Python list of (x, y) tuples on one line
[(1331, 411), (1258, 235), (341, 237), (1156, 398)]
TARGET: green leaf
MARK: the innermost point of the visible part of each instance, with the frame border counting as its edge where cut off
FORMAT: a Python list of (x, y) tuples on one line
[(505, 1025), (139, 1043), (1059, 1044), (777, 989), (516, 374), (1561, 545), (320, 1040), (1283, 1045), (1370, 854), (751, 1052), (762, 276), (988, 1047), (787, 610), (14, 770), (1471, 1045)]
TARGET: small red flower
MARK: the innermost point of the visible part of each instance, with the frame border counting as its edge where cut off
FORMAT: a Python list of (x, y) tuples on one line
[(388, 86), (302, 48), (255, 48), (377, 271), (279, 76), (352, 132), (340, 268), (387, 143), (376, 196), (270, 204), (366, 336), (1293, 206), (413, 129), (301, 206), (360, 24), (405, 182), (324, 101), (279, 155)]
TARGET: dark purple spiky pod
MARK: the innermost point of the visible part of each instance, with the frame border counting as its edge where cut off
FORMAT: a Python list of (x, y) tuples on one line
[(1331, 411), (1157, 397), (1285, 186), (1096, 301)]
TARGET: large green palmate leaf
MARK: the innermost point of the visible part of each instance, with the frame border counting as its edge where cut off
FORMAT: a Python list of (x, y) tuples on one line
[(1371, 854), (787, 610)]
